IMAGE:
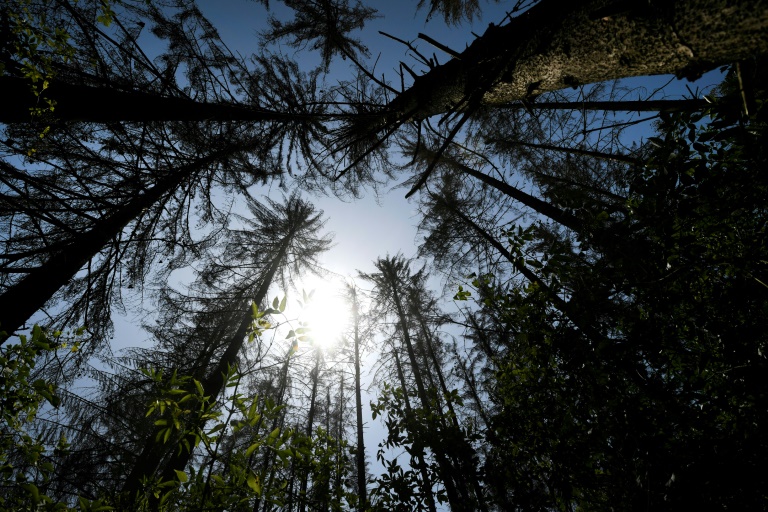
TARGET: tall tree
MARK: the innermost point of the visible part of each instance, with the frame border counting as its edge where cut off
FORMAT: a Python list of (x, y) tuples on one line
[(287, 234)]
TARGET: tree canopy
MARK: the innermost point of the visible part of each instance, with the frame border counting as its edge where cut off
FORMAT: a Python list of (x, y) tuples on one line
[(581, 324)]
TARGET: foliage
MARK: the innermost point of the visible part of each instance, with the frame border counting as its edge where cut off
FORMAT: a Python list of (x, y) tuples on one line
[(26, 461), (662, 404), (185, 417)]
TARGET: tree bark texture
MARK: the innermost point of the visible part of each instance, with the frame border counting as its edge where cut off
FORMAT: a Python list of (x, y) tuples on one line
[(566, 43)]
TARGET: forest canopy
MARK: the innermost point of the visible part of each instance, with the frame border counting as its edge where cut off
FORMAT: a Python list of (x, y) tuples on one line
[(581, 325)]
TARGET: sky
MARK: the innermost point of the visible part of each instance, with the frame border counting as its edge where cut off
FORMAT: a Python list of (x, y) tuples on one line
[(366, 228), (370, 227)]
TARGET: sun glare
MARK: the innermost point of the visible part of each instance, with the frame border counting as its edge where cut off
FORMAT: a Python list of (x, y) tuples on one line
[(324, 311)]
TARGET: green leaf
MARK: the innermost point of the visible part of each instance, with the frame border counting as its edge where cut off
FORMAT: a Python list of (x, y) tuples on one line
[(253, 483), (282, 303), (276, 303), (252, 449), (182, 476)]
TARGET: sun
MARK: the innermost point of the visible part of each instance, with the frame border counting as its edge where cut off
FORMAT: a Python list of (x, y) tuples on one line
[(323, 311)]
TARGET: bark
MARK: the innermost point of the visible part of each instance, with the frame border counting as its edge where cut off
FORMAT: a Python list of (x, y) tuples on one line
[(575, 151), (612, 106), (565, 43), (561, 305), (314, 374), (560, 216), (462, 450), (426, 482), (268, 464), (446, 472)]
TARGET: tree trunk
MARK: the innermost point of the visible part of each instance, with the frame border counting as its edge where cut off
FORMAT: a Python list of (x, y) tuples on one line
[(561, 217), (563, 306), (23, 299), (360, 454), (565, 43), (314, 374), (151, 457), (574, 151), (418, 456), (77, 102), (463, 451), (446, 471), (278, 422)]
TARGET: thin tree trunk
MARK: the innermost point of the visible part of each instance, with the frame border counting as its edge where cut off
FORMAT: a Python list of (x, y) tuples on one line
[(426, 482), (314, 374), (574, 151), (360, 454), (560, 216), (270, 453), (556, 300), (465, 450), (469, 382), (446, 472)]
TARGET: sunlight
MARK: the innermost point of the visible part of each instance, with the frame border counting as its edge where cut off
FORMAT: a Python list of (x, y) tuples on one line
[(324, 310)]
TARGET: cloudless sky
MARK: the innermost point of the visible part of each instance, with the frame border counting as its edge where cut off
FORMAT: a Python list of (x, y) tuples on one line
[(370, 227)]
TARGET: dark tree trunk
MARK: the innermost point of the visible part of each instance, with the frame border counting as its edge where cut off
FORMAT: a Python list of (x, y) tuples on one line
[(314, 374), (151, 457), (574, 151), (563, 306), (107, 104), (426, 482), (561, 217), (360, 454), (23, 299), (463, 453), (446, 471)]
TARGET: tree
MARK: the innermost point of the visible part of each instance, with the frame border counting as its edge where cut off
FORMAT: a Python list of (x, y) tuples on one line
[(637, 409), (287, 234), (131, 155), (392, 290)]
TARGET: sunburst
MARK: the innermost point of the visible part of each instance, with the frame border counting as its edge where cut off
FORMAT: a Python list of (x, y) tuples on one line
[(323, 311)]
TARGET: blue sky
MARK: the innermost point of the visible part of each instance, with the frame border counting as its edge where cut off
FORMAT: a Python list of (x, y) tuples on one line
[(370, 227)]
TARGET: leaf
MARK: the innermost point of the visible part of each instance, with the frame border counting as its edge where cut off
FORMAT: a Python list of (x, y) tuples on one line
[(252, 449), (253, 483), (276, 303), (282, 303), (182, 476)]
